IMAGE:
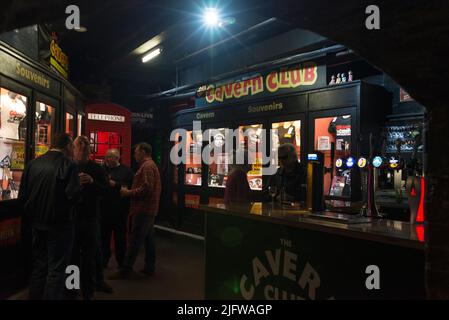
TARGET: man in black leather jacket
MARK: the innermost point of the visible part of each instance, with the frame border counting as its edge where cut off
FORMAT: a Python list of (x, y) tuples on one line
[(49, 188)]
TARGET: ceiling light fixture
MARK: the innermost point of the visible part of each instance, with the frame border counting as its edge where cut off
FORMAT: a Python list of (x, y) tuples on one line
[(151, 55), (211, 17)]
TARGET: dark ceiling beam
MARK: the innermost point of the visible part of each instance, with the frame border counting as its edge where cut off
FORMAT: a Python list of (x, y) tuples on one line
[(412, 31), (260, 67)]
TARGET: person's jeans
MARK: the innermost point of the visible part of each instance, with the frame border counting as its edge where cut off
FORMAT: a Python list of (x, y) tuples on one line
[(142, 233), (52, 249)]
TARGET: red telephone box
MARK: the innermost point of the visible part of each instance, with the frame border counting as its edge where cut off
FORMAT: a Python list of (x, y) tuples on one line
[(108, 126)]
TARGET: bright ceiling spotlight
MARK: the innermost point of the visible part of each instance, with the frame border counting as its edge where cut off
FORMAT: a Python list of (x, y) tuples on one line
[(211, 17), (151, 55)]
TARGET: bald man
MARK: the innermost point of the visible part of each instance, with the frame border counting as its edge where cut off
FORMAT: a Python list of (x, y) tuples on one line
[(114, 209)]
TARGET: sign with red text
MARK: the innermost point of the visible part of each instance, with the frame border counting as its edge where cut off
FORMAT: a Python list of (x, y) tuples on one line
[(301, 77), (59, 60)]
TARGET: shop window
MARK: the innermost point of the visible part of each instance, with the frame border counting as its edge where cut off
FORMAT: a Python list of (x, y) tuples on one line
[(80, 125), (12, 141), (335, 130), (249, 139), (193, 160), (69, 123), (218, 169), (45, 126), (101, 142), (287, 132)]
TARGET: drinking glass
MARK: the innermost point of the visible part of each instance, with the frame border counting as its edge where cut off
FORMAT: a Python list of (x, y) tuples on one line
[(272, 191)]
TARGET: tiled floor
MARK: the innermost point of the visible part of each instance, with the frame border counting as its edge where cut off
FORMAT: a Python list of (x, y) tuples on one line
[(179, 273)]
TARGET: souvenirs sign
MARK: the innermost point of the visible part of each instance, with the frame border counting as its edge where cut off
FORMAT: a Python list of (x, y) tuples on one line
[(304, 76), (24, 73)]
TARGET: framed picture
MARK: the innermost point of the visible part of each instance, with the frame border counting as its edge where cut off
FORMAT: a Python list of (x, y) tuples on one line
[(323, 143)]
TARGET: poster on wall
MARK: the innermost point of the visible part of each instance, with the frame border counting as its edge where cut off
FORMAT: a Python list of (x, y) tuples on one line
[(18, 156), (324, 143)]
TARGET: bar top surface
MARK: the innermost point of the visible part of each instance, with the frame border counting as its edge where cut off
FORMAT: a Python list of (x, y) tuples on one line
[(380, 230)]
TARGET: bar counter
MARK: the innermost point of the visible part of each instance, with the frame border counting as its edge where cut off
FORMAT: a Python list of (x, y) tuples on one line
[(261, 251), (380, 230)]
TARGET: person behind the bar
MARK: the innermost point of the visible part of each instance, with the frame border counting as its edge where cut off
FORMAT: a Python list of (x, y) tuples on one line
[(86, 248), (290, 178), (237, 187), (49, 189), (114, 209), (145, 195)]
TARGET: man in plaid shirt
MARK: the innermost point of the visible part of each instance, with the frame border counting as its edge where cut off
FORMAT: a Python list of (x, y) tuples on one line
[(145, 194)]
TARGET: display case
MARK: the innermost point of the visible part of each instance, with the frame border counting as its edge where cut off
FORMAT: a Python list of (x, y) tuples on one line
[(333, 136), (218, 169), (13, 132), (70, 124), (45, 127), (286, 132), (250, 139), (192, 167)]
